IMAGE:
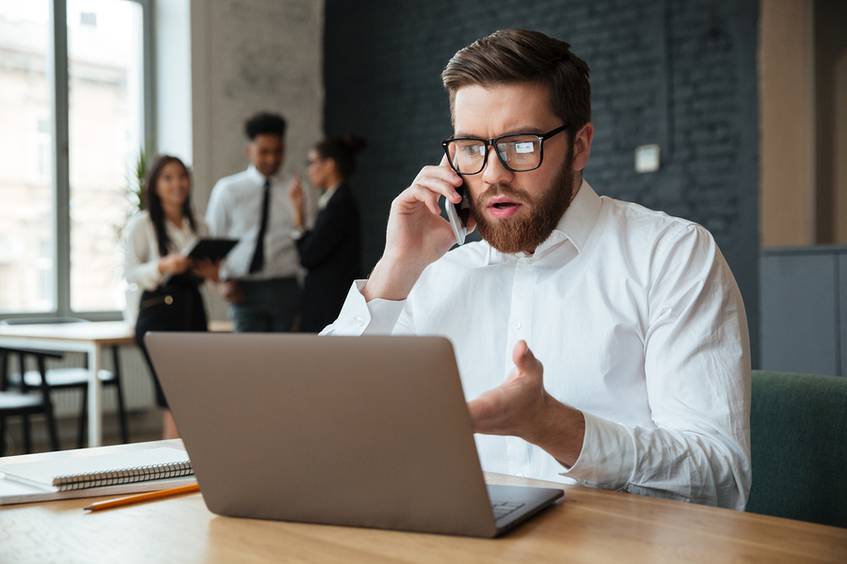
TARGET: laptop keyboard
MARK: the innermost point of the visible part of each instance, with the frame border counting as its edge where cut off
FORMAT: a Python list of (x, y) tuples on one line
[(503, 508)]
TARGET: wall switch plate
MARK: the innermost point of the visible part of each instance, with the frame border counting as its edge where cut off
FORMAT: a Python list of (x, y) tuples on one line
[(647, 158)]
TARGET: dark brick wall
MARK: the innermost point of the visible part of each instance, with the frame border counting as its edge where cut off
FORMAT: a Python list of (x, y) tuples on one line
[(678, 73)]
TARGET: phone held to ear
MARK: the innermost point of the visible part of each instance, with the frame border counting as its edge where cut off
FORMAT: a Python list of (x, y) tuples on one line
[(458, 215)]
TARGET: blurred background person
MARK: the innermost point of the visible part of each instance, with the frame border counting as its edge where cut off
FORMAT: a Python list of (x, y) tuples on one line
[(153, 241), (260, 274), (331, 250)]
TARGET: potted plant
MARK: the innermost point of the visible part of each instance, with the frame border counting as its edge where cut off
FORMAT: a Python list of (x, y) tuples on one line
[(135, 193)]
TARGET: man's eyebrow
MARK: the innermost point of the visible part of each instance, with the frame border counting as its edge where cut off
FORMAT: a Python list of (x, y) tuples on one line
[(513, 131)]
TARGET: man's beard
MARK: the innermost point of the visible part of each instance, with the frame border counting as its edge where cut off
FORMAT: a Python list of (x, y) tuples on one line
[(515, 234)]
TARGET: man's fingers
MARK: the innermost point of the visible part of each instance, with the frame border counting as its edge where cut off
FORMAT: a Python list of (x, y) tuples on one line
[(440, 188), (437, 188), (427, 197), (443, 172)]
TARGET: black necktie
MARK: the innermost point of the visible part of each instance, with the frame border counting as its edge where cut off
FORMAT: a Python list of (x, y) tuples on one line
[(258, 261)]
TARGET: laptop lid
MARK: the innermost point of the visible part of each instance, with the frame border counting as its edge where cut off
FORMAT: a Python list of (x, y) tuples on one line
[(364, 431)]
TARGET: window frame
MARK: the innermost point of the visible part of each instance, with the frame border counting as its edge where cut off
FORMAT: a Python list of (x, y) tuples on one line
[(60, 157)]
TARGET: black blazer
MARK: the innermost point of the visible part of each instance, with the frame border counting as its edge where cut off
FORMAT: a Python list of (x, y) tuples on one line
[(331, 252)]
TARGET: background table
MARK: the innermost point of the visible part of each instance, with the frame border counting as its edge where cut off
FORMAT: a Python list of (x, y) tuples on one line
[(89, 338), (588, 526)]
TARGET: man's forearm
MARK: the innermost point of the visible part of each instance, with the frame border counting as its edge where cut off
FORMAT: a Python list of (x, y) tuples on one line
[(392, 280)]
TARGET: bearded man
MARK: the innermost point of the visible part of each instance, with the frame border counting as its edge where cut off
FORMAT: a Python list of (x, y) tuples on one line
[(645, 381)]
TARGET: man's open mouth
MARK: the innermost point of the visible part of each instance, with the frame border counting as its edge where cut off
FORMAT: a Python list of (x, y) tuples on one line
[(503, 207)]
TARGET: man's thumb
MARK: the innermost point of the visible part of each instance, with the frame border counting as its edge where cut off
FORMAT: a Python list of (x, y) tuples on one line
[(522, 356)]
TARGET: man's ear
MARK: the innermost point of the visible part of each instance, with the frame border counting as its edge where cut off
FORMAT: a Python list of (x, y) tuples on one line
[(582, 146)]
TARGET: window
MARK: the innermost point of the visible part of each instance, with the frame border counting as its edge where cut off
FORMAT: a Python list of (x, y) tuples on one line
[(105, 119), (81, 87), (27, 236)]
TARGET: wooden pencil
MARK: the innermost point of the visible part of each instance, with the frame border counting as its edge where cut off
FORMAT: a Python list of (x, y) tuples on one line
[(138, 498)]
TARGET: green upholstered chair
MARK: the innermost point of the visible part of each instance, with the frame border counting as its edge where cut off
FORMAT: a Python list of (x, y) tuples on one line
[(798, 431)]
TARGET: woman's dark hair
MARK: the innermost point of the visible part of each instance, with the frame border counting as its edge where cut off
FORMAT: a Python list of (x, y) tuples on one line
[(264, 123), (342, 149), (154, 202)]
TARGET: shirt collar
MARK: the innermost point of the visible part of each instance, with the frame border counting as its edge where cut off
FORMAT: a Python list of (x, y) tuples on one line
[(327, 196), (574, 226), (254, 174)]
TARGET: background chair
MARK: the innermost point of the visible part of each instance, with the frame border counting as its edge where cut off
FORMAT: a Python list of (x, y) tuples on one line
[(25, 404), (798, 428)]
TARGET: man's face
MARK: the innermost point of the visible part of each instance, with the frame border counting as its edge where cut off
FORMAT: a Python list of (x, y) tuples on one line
[(266, 152), (517, 211)]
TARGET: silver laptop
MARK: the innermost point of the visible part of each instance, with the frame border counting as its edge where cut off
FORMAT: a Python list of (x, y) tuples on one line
[(361, 431)]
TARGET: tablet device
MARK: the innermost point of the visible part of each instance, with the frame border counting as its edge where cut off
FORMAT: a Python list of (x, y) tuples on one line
[(210, 249)]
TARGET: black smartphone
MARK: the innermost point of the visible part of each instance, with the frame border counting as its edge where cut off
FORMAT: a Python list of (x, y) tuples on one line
[(458, 215)]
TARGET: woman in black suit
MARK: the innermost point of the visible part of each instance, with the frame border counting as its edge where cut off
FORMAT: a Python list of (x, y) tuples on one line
[(331, 250)]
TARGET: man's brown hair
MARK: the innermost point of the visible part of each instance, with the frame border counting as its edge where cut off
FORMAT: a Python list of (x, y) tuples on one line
[(517, 55)]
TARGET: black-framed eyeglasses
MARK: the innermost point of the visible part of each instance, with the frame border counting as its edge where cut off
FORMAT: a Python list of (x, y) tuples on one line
[(519, 152)]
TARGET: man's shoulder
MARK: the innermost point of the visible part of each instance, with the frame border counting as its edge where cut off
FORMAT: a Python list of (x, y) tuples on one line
[(658, 240), (233, 180), (640, 216), (644, 225)]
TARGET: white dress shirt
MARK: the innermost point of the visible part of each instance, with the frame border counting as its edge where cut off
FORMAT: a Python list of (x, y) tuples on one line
[(235, 211), (141, 249), (639, 324)]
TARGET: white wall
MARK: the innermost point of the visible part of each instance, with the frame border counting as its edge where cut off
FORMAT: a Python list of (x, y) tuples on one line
[(172, 51), (247, 56)]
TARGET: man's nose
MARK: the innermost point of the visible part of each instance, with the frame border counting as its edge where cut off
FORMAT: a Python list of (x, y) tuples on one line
[(494, 171)]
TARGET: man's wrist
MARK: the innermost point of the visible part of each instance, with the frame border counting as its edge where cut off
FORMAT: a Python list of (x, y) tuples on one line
[(559, 429)]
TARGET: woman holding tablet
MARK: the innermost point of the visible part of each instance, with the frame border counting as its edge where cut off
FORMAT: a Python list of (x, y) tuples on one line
[(154, 261)]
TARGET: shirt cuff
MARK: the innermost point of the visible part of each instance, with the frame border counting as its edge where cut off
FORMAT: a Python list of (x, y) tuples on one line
[(359, 317), (150, 277), (297, 234), (607, 458)]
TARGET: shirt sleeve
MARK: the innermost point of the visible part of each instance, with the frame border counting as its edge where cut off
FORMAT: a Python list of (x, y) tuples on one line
[(376, 317), (697, 367), (217, 220), (141, 265)]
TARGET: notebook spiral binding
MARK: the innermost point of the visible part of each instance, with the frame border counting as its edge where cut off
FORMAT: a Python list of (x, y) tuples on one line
[(125, 476)]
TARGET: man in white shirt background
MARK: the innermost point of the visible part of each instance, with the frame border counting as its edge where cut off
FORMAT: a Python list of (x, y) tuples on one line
[(597, 340), (260, 273)]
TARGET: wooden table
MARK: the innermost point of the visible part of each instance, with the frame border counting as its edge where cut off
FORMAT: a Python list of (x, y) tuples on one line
[(89, 338), (589, 526)]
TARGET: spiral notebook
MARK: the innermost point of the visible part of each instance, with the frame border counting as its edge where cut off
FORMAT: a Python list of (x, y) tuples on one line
[(102, 470)]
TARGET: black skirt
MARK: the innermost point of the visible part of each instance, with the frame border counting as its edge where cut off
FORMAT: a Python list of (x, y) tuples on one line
[(174, 306)]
